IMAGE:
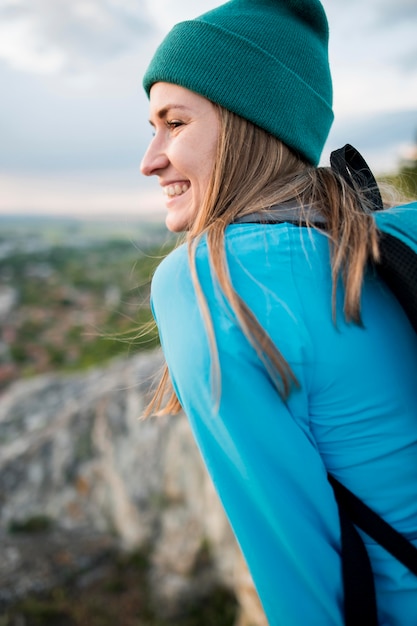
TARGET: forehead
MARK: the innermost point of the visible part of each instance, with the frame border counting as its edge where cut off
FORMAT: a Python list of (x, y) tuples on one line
[(165, 96)]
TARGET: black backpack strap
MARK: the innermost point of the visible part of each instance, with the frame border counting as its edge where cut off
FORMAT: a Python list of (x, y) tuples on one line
[(351, 165), (398, 262), (374, 526), (358, 579)]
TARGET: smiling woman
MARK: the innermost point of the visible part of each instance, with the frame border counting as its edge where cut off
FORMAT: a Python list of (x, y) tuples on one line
[(270, 314), (183, 150)]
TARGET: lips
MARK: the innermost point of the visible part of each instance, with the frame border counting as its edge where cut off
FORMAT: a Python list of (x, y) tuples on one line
[(176, 189)]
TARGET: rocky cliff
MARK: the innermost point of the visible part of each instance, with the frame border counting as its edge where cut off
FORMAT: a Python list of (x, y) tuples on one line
[(77, 461)]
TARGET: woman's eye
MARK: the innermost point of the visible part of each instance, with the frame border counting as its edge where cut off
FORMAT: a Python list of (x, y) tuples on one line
[(173, 124)]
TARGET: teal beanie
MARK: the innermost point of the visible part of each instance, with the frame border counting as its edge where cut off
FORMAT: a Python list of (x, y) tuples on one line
[(265, 60)]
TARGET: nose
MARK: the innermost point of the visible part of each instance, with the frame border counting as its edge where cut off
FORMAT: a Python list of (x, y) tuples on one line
[(154, 159)]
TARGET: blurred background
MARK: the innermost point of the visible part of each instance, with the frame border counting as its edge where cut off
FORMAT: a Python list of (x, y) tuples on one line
[(105, 519)]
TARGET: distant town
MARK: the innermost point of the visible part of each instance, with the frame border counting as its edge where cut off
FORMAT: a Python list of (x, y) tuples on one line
[(74, 293)]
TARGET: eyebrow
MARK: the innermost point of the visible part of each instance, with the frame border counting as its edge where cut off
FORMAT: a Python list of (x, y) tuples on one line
[(163, 112)]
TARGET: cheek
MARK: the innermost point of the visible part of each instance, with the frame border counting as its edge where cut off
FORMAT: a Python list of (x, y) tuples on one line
[(207, 163), (196, 159), (212, 154), (198, 167)]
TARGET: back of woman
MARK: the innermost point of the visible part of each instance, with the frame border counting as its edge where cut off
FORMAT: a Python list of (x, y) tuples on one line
[(289, 355), (354, 415)]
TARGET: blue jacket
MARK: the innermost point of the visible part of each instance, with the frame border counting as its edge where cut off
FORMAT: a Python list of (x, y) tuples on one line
[(354, 415)]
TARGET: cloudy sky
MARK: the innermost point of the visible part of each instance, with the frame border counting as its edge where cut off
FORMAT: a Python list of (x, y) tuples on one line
[(73, 118)]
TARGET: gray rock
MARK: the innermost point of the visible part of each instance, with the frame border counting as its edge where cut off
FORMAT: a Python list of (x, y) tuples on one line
[(75, 455)]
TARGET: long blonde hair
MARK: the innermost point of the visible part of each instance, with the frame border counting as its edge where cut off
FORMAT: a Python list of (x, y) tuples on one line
[(253, 171)]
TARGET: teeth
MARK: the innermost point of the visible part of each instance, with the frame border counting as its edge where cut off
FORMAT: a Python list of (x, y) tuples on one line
[(176, 190)]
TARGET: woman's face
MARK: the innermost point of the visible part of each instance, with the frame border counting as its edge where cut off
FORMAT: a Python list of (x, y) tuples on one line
[(182, 151)]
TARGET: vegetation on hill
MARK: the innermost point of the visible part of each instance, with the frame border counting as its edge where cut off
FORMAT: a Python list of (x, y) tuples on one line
[(405, 180), (75, 298)]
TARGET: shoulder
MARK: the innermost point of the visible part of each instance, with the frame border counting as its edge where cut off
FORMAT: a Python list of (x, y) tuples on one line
[(174, 300), (398, 212), (276, 254), (400, 222), (270, 266), (255, 253), (171, 268)]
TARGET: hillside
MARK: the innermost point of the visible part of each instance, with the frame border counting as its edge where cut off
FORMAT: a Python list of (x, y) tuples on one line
[(74, 293)]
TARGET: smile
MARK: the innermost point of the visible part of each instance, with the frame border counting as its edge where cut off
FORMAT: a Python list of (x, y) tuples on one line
[(176, 190)]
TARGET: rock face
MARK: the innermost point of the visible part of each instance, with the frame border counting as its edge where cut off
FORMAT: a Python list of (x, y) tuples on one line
[(75, 456)]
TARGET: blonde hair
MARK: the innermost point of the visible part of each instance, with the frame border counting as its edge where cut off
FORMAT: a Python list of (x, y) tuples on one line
[(253, 171)]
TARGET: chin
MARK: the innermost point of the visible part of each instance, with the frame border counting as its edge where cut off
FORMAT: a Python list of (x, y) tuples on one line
[(178, 223), (175, 225)]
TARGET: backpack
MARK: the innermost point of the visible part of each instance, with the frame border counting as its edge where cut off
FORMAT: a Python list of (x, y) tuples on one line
[(398, 267)]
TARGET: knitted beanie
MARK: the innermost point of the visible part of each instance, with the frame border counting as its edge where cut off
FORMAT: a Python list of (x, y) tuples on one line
[(265, 60)]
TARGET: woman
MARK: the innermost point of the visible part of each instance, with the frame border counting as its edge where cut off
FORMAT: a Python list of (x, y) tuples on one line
[(288, 354)]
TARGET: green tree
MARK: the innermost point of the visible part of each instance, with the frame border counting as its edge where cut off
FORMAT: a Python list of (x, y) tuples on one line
[(406, 178)]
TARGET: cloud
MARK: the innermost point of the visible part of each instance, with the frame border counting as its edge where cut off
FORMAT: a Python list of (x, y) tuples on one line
[(384, 137), (410, 61), (372, 64), (397, 22), (47, 126), (49, 36), (167, 13), (390, 13), (400, 7)]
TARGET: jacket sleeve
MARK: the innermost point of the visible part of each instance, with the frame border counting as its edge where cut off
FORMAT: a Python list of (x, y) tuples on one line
[(259, 453)]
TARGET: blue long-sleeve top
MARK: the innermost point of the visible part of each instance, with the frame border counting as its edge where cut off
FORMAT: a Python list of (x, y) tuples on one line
[(354, 415)]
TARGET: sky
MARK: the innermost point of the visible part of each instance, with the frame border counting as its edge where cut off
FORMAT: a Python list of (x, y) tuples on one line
[(73, 115)]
